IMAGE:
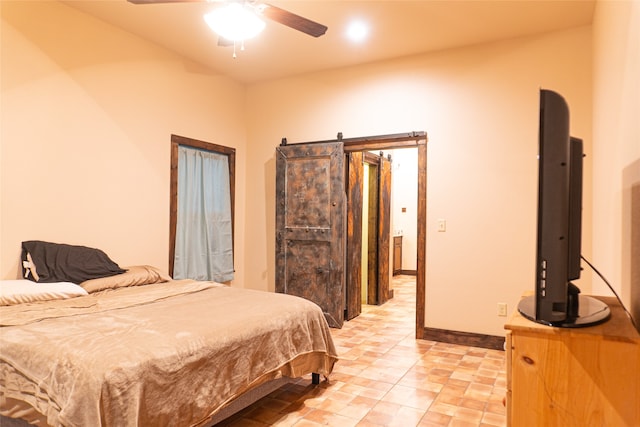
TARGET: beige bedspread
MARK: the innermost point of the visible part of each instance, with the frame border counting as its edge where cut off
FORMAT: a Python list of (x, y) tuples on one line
[(167, 354)]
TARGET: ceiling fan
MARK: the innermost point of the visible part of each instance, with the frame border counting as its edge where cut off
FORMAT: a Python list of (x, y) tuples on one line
[(271, 12)]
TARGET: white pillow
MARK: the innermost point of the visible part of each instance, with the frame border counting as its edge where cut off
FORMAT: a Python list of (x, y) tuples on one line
[(22, 291)]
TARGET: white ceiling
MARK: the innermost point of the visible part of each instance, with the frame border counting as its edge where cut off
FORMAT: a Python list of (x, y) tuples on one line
[(397, 28)]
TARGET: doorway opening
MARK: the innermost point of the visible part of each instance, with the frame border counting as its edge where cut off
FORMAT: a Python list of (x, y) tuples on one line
[(319, 225), (376, 225), (401, 253), (354, 285)]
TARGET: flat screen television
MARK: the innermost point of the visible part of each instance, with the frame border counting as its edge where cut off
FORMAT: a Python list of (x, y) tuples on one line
[(556, 300)]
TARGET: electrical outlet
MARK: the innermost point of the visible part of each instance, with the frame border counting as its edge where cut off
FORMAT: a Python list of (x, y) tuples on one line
[(502, 309)]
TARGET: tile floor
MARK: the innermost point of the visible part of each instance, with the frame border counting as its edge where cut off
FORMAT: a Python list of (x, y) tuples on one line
[(385, 377)]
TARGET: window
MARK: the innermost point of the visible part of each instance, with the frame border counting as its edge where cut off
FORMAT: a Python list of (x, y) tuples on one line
[(201, 210)]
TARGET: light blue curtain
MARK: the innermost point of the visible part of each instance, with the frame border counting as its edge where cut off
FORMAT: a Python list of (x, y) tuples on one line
[(204, 245)]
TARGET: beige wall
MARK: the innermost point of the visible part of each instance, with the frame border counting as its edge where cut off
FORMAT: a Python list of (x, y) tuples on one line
[(87, 115), (479, 106), (616, 135)]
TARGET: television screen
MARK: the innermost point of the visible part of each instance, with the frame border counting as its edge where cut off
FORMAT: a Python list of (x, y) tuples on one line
[(557, 301)]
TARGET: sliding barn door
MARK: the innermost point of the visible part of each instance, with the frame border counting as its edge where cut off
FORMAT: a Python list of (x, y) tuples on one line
[(310, 225), (384, 229), (355, 177), (378, 218)]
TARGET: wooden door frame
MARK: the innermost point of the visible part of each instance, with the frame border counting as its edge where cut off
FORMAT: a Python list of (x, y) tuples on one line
[(395, 141)]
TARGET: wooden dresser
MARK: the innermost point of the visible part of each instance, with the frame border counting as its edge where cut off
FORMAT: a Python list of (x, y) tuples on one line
[(573, 377)]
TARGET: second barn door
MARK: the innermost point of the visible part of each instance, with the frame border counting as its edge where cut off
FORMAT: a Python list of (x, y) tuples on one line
[(376, 229), (310, 225), (368, 231)]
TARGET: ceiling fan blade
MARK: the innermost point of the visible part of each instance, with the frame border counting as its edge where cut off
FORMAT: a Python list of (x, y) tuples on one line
[(292, 20), (274, 13)]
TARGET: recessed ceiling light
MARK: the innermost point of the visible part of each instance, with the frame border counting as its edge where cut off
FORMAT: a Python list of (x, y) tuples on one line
[(357, 31)]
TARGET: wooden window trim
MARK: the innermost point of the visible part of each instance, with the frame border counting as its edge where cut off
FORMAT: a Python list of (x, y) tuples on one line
[(176, 141)]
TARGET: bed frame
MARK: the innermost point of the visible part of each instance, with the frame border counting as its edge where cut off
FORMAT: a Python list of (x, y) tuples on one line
[(232, 408), (252, 396)]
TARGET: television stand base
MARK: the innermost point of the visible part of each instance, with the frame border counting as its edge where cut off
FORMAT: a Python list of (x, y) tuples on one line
[(591, 312)]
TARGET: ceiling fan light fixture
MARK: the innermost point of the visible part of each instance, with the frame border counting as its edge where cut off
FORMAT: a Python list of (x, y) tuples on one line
[(235, 22), (357, 31)]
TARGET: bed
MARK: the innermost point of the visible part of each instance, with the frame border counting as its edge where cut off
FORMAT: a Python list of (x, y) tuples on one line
[(137, 348)]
